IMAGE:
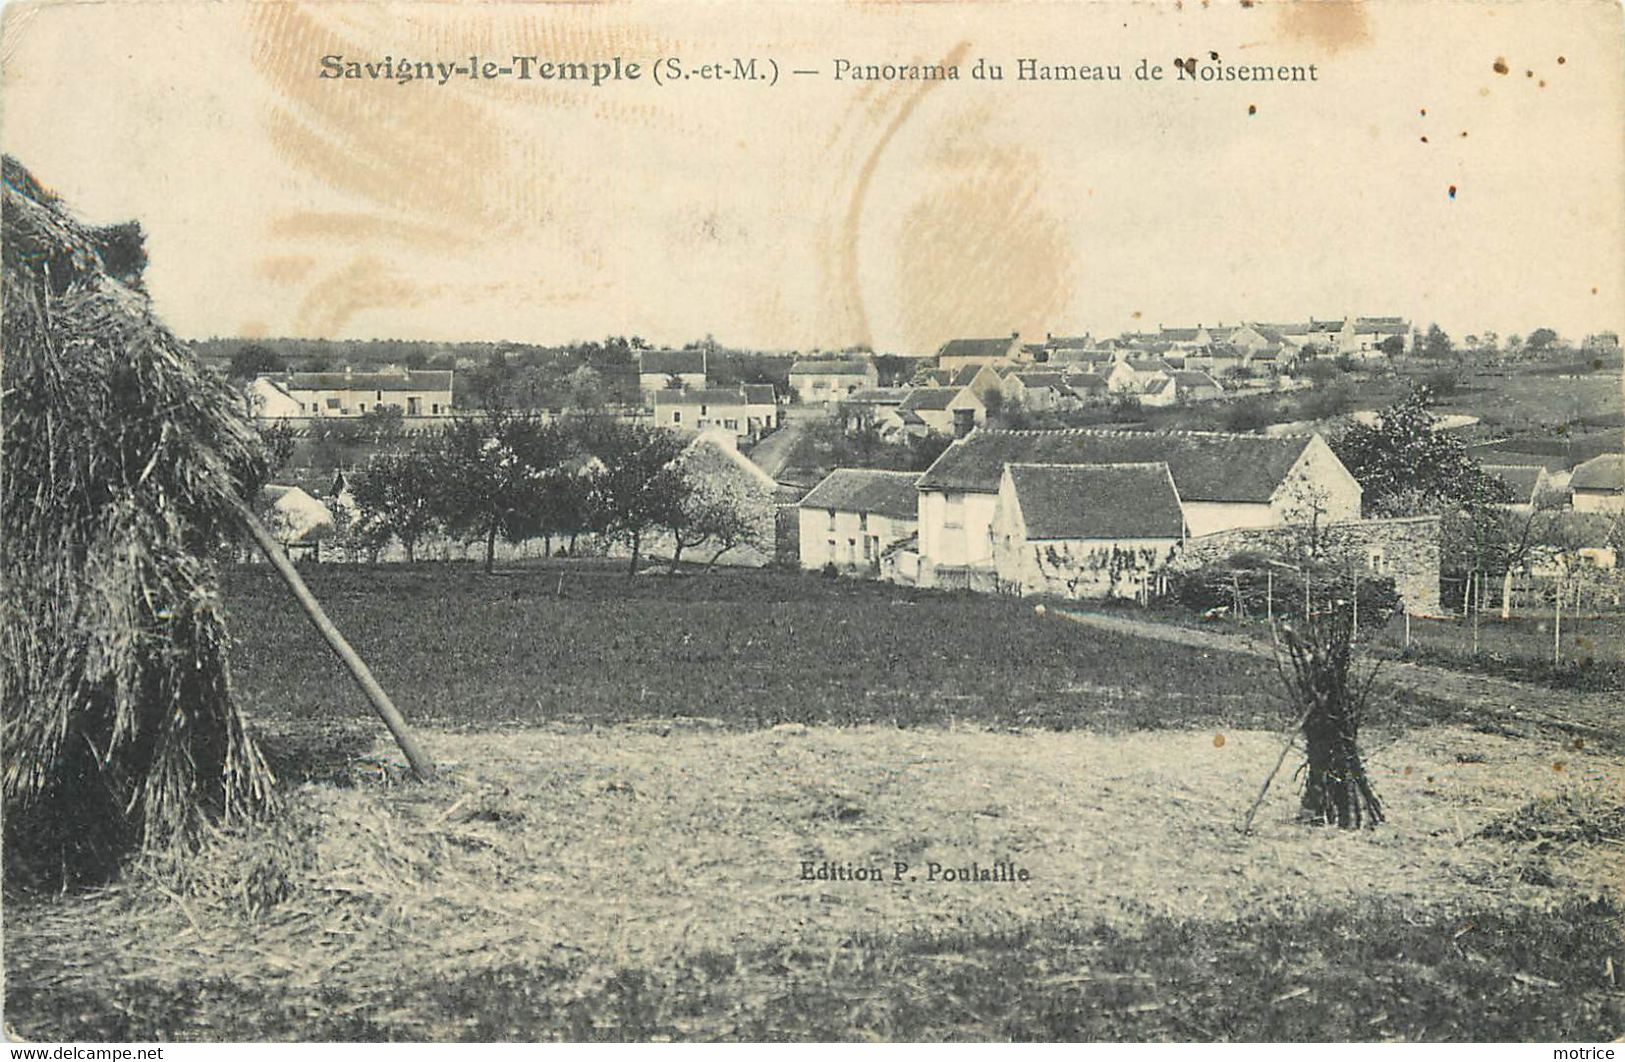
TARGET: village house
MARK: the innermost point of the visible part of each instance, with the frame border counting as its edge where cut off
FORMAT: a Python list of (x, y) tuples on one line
[(866, 408), (832, 379), (1598, 485), (745, 412), (1039, 392), (958, 353), (1088, 360), (1223, 481), (415, 392), (946, 410), (1369, 333), (668, 370), (1087, 387), (1179, 387), (854, 516), (1085, 530)]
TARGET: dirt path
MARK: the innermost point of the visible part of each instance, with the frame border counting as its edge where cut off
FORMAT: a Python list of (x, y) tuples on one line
[(1512, 706), (773, 453)]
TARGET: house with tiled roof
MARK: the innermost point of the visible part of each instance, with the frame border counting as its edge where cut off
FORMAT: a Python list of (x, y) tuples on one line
[(1224, 481), (1039, 391), (946, 410), (854, 516), (832, 379), (1082, 359), (348, 393), (1085, 530), (1180, 386), (662, 370), (1369, 333), (746, 412), (1598, 485), (958, 353), (1087, 386)]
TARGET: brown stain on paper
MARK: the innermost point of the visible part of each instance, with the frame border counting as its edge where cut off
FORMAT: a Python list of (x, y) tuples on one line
[(1331, 25), (851, 227)]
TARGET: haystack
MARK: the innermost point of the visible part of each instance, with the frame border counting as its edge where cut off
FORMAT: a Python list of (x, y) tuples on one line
[(122, 467)]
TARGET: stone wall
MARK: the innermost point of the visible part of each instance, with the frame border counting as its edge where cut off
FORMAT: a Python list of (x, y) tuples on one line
[(1405, 549)]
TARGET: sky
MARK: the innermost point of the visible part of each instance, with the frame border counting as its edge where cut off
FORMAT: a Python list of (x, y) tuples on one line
[(815, 213)]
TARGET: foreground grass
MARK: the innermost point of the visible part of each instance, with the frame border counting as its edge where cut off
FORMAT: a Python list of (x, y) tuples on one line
[(1369, 974), (457, 648)]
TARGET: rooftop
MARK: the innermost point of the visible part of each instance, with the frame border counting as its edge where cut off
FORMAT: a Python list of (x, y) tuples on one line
[(1119, 501), (867, 490), (1206, 466)]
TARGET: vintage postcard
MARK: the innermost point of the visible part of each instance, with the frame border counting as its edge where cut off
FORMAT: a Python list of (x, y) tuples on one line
[(825, 521)]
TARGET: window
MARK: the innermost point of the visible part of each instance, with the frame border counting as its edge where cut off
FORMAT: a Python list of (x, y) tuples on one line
[(435, 408), (868, 547), (676, 416), (731, 425), (863, 521), (1375, 560), (954, 510), (832, 521), (363, 407)]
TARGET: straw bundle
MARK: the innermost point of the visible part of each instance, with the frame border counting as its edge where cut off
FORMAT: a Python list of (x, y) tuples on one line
[(122, 467)]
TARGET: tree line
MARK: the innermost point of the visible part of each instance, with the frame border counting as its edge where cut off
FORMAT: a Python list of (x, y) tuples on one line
[(518, 477)]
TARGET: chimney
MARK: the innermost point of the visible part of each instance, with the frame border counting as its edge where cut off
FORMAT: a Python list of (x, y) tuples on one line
[(964, 422)]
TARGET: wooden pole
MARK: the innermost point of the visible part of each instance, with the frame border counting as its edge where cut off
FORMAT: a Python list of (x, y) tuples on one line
[(422, 766), (1557, 622)]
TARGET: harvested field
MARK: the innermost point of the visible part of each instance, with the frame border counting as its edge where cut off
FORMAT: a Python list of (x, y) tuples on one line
[(644, 881)]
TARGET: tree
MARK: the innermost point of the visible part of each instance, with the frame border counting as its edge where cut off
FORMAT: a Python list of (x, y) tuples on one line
[(1540, 340), (1436, 343), (1393, 346), (279, 444), (1405, 468), (586, 387), (721, 509), (638, 486), (254, 359), (399, 494), (496, 466)]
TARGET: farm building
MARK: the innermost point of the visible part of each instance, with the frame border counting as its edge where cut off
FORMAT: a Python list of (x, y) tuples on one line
[(1598, 485), (854, 516), (660, 370), (1223, 481), (415, 392), (831, 379), (1084, 530)]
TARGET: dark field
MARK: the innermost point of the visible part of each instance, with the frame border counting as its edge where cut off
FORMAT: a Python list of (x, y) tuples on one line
[(459, 649)]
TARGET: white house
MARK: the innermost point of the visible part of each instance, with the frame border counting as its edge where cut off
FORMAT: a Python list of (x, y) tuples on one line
[(659, 369), (1224, 481), (831, 379), (735, 410), (1598, 485), (415, 392), (1085, 530), (854, 515)]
